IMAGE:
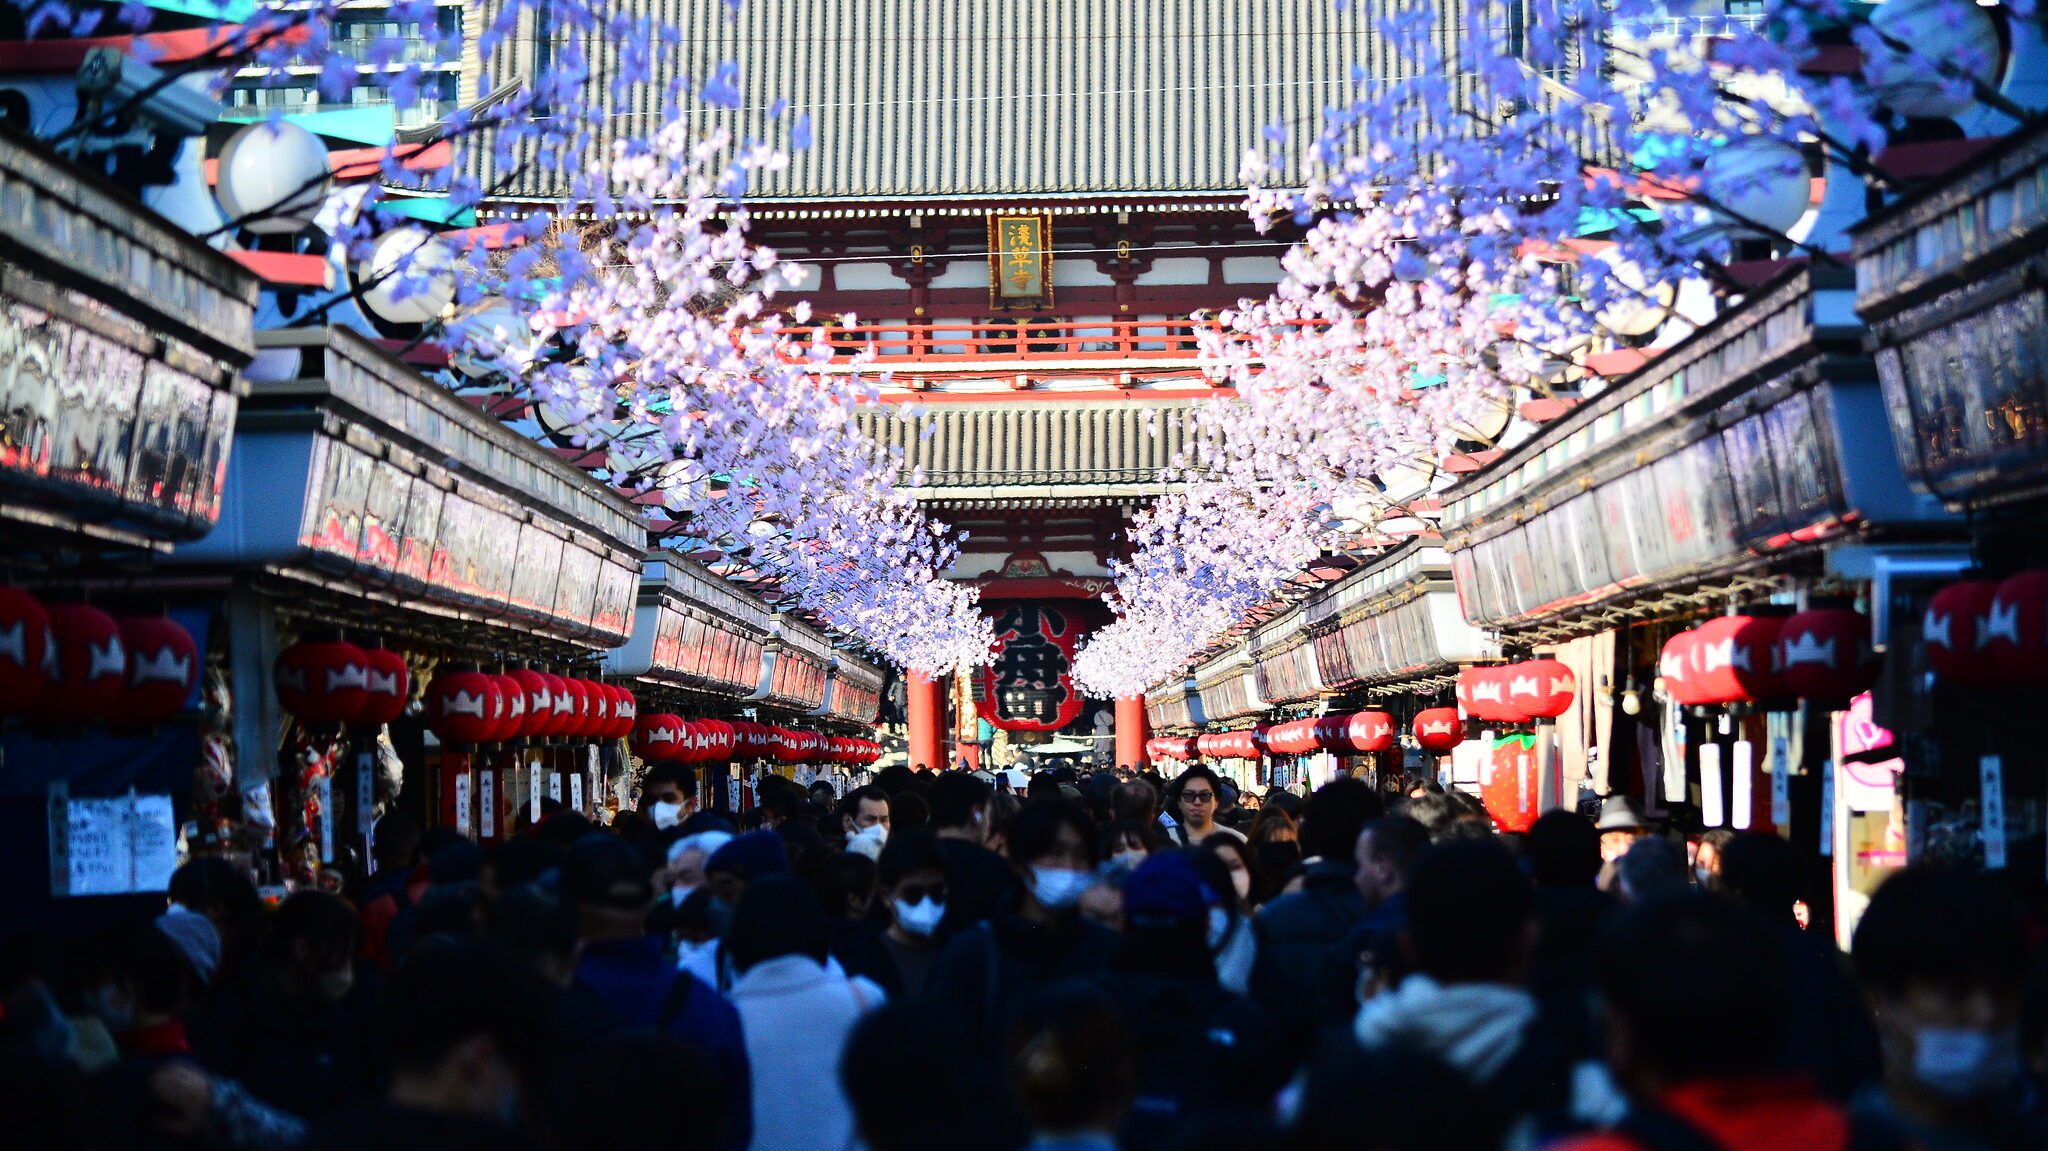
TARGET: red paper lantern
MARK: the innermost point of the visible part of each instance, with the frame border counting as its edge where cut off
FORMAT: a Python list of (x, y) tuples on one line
[(386, 688), (1484, 692), (163, 668), (1540, 688), (511, 713), (1957, 629), (582, 720), (1210, 744), (600, 720), (463, 707), (561, 714), (1825, 654), (24, 649), (1439, 729), (660, 736), (718, 740), (1295, 737), (625, 712), (540, 702), (1734, 659), (322, 681), (2016, 627), (1675, 667)]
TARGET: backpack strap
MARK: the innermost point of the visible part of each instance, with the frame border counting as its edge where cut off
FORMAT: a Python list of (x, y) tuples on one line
[(679, 990)]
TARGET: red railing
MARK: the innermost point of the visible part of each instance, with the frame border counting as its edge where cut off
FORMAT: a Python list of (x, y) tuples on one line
[(1135, 340)]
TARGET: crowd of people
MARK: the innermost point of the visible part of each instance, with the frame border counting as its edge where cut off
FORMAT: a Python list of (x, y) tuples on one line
[(1109, 961)]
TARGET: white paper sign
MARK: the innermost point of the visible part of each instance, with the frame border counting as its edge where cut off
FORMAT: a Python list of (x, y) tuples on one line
[(576, 792), (1713, 802), (533, 793), (117, 846), (1781, 781), (487, 811), (1991, 772), (328, 818), (555, 786), (1742, 800), (463, 801)]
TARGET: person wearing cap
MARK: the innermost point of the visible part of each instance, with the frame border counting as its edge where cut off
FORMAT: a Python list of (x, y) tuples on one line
[(1621, 823), (610, 888), (1199, 1046)]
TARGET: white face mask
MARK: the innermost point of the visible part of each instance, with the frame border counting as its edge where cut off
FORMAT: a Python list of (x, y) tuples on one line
[(1128, 860), (335, 984), (1058, 888), (666, 815), (680, 892), (1962, 1063), (922, 917), (868, 841)]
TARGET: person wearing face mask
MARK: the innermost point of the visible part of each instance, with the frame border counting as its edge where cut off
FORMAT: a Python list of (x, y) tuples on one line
[(293, 1025), (686, 861), (864, 818), (1942, 961), (913, 880), (1232, 941), (665, 794), (1200, 1047), (988, 971)]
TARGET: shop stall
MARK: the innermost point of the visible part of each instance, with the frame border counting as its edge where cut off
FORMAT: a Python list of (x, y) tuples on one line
[(1746, 471), (121, 337), (368, 510), (1951, 281)]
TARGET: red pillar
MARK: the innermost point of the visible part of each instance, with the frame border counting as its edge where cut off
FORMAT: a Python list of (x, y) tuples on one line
[(1132, 730), (927, 722)]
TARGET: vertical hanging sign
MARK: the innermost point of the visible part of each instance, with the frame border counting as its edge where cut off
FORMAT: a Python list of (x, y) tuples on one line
[(1020, 261), (1781, 781), (1991, 771), (487, 809)]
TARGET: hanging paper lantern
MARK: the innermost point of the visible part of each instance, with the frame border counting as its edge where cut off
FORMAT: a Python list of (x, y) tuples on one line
[(583, 720), (511, 709), (540, 702), (24, 649), (1957, 631), (386, 688), (89, 668), (1484, 692), (625, 712), (322, 681), (718, 739), (1825, 654), (163, 668), (1372, 731), (660, 736), (600, 719), (1675, 667), (462, 707), (561, 714), (1439, 729), (1540, 688), (1734, 659), (1260, 736), (2015, 627)]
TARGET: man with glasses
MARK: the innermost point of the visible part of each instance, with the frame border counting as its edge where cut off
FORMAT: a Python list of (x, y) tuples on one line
[(1196, 796)]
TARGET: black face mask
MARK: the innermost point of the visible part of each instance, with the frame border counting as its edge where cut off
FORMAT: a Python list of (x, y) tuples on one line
[(1279, 856)]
